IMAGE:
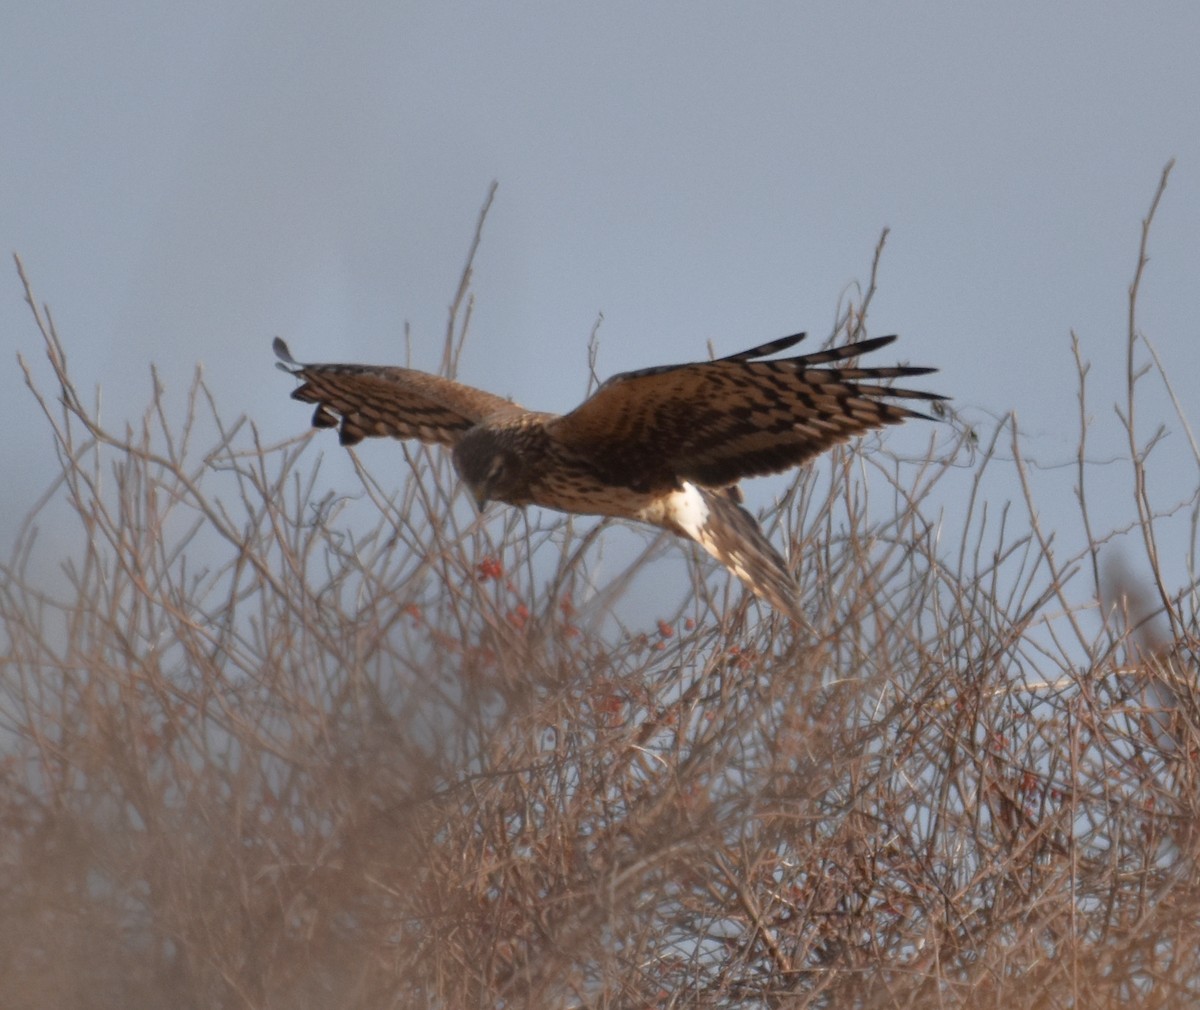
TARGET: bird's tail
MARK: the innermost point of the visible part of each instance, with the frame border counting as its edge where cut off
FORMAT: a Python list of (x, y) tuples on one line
[(732, 535)]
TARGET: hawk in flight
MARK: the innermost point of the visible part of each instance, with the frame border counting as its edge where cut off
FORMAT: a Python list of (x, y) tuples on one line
[(664, 445)]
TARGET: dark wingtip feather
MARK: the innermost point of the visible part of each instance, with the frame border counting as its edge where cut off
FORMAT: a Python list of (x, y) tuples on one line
[(762, 350), (323, 417), (872, 343), (286, 362), (841, 352), (902, 370)]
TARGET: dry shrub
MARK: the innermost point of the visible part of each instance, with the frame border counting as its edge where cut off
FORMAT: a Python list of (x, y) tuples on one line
[(268, 748)]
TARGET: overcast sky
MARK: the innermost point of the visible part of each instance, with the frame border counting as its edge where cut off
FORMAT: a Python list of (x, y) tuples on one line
[(183, 182)]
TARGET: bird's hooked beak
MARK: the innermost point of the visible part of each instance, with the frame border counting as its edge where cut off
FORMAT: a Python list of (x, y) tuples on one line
[(481, 493), (481, 473)]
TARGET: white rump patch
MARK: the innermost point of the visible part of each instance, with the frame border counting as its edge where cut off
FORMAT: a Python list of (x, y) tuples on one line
[(684, 510)]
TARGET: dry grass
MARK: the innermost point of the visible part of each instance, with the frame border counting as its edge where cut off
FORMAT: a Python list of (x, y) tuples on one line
[(267, 749)]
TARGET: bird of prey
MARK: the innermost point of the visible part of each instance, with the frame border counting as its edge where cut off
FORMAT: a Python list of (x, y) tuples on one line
[(665, 446)]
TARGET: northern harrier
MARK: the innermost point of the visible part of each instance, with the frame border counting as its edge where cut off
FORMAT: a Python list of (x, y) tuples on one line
[(664, 445)]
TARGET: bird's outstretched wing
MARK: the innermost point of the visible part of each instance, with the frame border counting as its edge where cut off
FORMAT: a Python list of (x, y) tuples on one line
[(715, 422), (367, 400)]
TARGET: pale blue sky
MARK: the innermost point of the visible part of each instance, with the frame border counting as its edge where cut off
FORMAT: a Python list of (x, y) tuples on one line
[(183, 183)]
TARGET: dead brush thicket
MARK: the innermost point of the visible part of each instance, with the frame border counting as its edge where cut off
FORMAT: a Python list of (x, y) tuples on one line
[(265, 748)]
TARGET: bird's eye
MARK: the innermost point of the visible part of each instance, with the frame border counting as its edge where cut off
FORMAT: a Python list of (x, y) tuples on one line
[(496, 469)]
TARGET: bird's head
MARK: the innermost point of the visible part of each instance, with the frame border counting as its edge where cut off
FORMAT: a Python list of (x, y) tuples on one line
[(490, 469)]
